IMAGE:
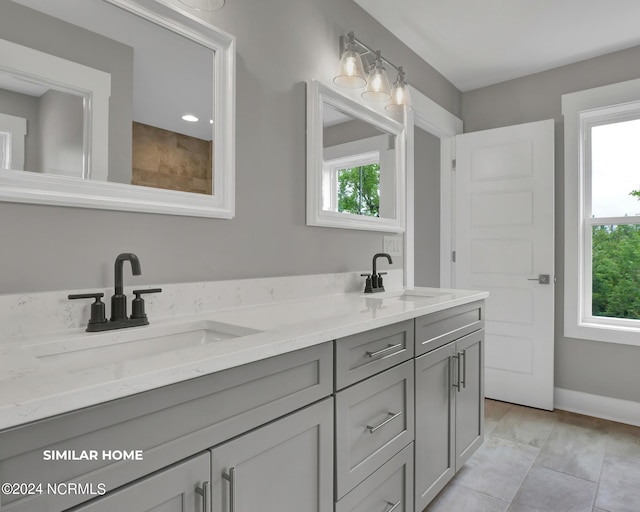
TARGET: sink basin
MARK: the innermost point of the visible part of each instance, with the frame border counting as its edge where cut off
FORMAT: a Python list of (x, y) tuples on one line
[(118, 346), (413, 294)]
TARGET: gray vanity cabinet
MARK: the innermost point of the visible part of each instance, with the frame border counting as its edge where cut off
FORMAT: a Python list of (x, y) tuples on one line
[(180, 488), (449, 402), (285, 466)]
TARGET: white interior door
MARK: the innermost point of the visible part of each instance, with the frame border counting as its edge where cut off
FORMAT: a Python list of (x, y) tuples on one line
[(504, 240)]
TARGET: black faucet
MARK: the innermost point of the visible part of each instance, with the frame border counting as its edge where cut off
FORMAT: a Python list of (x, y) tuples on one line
[(374, 281), (119, 299), (119, 319)]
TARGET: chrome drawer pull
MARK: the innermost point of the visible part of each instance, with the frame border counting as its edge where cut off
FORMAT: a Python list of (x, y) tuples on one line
[(393, 505), (464, 368), (204, 492), (457, 358), (392, 416), (389, 348), (231, 478)]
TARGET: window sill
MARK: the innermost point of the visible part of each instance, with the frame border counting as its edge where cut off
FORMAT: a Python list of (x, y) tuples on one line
[(621, 334)]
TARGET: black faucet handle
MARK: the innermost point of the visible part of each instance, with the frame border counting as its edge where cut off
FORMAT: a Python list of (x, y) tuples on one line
[(96, 296), (137, 293), (98, 315), (368, 286), (137, 304), (382, 274)]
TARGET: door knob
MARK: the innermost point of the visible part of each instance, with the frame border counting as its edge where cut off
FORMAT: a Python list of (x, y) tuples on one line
[(542, 279)]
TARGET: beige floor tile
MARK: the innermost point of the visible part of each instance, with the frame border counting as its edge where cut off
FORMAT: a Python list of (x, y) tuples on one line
[(494, 411), (545, 490), (574, 450), (526, 426), (498, 468), (619, 489), (458, 498)]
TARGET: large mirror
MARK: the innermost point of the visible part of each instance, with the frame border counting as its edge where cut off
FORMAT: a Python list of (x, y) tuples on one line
[(116, 104), (355, 164)]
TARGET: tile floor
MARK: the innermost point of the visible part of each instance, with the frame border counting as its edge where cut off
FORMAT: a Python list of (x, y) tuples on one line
[(540, 461)]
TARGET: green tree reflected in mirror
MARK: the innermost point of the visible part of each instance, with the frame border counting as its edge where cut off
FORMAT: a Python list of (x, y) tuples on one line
[(359, 190)]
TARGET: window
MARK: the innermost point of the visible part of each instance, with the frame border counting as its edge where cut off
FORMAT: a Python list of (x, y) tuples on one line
[(353, 184), (602, 213)]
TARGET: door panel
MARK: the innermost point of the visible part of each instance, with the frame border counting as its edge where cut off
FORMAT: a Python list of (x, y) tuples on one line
[(504, 238)]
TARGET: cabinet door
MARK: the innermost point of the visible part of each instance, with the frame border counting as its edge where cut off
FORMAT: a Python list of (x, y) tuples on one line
[(435, 423), (285, 466), (470, 396), (179, 488)]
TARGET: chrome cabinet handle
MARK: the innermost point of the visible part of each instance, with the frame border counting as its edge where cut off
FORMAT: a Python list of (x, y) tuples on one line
[(389, 348), (457, 384), (393, 505), (392, 416), (464, 369), (204, 492), (231, 478)]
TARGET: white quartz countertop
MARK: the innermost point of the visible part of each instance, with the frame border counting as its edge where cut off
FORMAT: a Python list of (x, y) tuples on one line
[(33, 386)]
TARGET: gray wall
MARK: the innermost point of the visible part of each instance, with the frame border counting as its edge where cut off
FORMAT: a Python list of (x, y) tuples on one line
[(60, 136), (606, 369), (280, 45), (427, 208)]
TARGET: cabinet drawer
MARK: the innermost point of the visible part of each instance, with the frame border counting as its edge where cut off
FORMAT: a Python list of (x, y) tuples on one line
[(374, 421), (362, 355), (437, 329), (390, 486), (167, 424)]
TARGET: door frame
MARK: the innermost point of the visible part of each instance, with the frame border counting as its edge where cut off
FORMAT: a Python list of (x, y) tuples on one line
[(436, 120)]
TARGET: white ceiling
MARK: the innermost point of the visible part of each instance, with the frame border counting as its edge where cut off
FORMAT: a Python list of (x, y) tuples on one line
[(475, 43)]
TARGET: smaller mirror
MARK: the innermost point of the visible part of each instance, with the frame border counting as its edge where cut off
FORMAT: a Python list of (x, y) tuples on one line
[(356, 164)]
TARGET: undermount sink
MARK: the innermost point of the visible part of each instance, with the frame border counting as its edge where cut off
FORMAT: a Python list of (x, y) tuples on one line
[(118, 346), (414, 294)]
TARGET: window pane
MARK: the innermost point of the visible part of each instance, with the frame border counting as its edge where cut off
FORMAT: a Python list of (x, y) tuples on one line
[(616, 271), (359, 190), (615, 169)]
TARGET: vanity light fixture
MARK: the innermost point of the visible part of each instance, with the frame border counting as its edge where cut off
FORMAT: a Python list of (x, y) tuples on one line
[(204, 5), (190, 118), (350, 71), (356, 55), (377, 82), (400, 97)]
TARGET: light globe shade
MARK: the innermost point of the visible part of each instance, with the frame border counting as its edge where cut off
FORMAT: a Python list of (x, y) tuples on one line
[(204, 5), (400, 97), (377, 85), (350, 71)]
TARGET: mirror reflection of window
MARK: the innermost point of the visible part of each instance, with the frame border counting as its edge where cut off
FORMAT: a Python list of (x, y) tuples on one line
[(5, 150), (358, 166), (12, 139)]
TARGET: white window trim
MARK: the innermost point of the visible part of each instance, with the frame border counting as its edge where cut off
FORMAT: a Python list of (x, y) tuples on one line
[(577, 109)]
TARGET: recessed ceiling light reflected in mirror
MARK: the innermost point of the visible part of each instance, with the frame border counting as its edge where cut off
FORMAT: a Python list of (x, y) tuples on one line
[(204, 5), (190, 117)]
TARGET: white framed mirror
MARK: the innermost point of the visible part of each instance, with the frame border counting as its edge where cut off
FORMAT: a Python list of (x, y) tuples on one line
[(356, 164), (102, 87)]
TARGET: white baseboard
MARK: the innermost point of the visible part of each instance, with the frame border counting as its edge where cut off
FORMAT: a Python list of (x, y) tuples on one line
[(614, 409)]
